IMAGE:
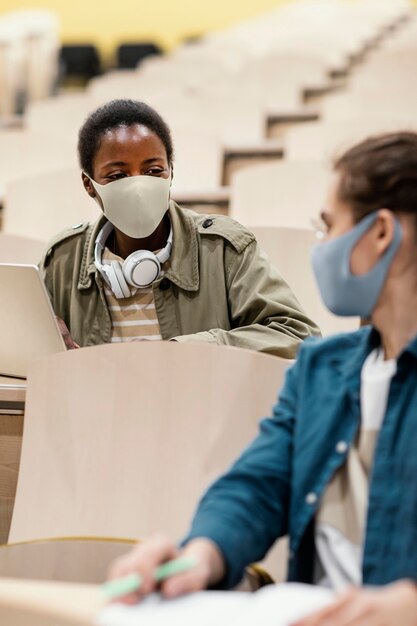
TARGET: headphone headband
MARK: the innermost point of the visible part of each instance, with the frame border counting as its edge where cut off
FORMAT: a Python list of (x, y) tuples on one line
[(100, 244), (134, 270)]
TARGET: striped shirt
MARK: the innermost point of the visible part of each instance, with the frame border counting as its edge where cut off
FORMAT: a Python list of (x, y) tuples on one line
[(133, 318)]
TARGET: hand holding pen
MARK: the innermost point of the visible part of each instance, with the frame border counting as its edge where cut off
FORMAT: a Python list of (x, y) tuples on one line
[(158, 563)]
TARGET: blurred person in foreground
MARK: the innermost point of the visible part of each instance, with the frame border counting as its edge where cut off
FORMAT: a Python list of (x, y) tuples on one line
[(150, 270), (335, 466)]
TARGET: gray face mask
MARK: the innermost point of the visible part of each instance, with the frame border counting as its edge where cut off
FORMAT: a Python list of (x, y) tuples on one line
[(136, 205), (342, 292)]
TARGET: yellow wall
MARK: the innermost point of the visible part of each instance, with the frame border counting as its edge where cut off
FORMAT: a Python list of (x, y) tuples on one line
[(109, 22)]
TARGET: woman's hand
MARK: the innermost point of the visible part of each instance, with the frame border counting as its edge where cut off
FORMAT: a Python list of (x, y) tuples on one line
[(145, 557), (392, 605), (68, 340)]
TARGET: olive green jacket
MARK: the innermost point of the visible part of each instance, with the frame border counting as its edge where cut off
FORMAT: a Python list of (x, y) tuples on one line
[(219, 288)]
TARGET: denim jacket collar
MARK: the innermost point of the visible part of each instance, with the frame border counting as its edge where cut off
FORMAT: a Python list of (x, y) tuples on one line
[(350, 369)]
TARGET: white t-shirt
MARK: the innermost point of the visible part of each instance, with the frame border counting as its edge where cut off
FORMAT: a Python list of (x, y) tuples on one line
[(341, 518)]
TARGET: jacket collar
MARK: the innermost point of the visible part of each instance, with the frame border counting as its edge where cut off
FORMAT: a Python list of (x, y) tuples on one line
[(367, 339), (88, 268), (348, 362), (372, 339), (411, 349), (183, 270)]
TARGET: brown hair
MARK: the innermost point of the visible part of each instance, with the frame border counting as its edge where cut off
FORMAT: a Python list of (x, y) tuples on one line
[(380, 173)]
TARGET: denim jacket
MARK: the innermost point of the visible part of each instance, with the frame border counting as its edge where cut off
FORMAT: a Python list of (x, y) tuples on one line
[(274, 488)]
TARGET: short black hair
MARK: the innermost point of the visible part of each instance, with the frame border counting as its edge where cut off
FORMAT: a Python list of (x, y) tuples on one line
[(112, 115)]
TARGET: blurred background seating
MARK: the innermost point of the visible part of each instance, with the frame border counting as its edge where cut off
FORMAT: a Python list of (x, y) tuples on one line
[(79, 61), (257, 109), (129, 55), (15, 249)]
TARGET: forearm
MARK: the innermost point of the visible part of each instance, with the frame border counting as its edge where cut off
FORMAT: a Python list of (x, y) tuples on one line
[(275, 338), (238, 544), (210, 556), (246, 510)]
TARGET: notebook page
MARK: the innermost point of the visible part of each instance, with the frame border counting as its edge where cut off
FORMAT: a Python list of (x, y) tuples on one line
[(281, 605), (275, 605)]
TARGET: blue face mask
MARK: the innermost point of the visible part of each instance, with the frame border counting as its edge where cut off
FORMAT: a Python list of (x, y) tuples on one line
[(342, 292)]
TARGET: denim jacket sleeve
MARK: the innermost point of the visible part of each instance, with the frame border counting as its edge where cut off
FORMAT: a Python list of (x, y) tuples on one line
[(247, 509)]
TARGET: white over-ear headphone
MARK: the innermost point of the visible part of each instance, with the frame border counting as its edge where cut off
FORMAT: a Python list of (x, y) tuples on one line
[(140, 269)]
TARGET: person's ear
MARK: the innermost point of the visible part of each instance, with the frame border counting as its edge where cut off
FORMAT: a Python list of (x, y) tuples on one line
[(88, 186), (385, 228)]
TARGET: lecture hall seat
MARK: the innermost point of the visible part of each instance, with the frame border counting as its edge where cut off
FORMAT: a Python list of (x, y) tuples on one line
[(108, 452)]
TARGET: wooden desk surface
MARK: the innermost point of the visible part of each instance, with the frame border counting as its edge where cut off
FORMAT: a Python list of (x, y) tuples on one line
[(12, 390), (12, 407), (26, 602)]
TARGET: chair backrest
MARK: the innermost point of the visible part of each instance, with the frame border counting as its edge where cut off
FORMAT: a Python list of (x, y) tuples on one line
[(198, 159), (385, 72), (42, 50), (130, 54), (78, 559), (184, 70), (282, 78), (12, 60), (279, 194), (27, 153), (289, 249), (44, 204), (15, 249), (121, 440), (80, 60), (130, 84), (215, 110), (324, 141), (371, 108), (61, 116)]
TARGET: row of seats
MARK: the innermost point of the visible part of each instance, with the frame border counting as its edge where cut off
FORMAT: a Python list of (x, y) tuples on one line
[(82, 61), (197, 94), (29, 50)]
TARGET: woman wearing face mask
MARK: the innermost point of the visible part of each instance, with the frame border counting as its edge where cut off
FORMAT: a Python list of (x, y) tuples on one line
[(335, 466), (151, 270)]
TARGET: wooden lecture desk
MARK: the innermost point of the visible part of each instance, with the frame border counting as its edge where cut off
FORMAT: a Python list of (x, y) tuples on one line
[(12, 408), (40, 603)]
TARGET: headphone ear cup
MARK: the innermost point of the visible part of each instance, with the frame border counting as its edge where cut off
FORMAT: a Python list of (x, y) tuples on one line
[(141, 268), (117, 281)]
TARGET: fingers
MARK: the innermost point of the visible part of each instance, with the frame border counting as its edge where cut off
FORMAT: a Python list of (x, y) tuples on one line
[(68, 340), (393, 604), (195, 579), (329, 613), (143, 559), (208, 570), (184, 583)]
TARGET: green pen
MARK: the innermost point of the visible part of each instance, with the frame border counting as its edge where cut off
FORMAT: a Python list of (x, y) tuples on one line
[(129, 584)]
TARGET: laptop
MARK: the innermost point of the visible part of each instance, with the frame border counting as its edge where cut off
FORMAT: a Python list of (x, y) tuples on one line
[(28, 327)]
